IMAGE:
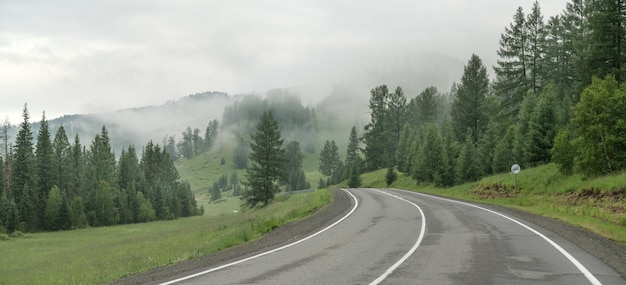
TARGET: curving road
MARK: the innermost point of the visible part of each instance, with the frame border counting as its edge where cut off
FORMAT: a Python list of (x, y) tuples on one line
[(398, 237)]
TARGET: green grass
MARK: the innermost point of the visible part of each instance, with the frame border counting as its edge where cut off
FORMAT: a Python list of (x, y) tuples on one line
[(542, 190), (98, 255)]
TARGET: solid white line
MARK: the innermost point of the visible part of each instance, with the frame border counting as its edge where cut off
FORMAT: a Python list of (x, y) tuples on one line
[(412, 250), (356, 204), (567, 255)]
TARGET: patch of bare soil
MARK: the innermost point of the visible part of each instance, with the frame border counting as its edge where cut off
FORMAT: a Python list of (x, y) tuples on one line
[(492, 191)]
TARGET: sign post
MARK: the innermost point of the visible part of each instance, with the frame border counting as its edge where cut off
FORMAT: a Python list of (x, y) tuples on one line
[(515, 168)]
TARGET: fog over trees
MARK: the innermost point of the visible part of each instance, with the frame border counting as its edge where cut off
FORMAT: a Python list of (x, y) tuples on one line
[(557, 96)]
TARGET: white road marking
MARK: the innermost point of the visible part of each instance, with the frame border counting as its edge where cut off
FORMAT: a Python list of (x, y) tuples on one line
[(567, 255), (412, 250), (356, 204)]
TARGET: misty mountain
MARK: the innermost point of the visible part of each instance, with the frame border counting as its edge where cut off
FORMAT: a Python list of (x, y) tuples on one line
[(137, 126)]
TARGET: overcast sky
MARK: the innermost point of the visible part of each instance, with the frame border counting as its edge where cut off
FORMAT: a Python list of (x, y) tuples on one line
[(73, 56)]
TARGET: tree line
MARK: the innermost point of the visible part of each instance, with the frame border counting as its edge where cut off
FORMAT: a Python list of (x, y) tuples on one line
[(57, 185), (558, 96)]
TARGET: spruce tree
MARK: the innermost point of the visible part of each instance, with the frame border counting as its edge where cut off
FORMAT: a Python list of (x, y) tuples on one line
[(374, 136), (44, 164), (469, 108), (403, 156), (512, 72), (61, 151), (542, 128), (467, 167), (22, 170), (266, 162), (395, 118), (329, 158)]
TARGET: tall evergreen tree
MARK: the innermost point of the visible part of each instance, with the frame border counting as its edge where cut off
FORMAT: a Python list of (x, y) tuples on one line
[(469, 108), (61, 151), (45, 177), (512, 67), (536, 30), (403, 156), (76, 177), (267, 162), (576, 41), (329, 158), (395, 119), (607, 49), (467, 167), (295, 176), (374, 136), (427, 103), (542, 128), (22, 170), (353, 149), (431, 163)]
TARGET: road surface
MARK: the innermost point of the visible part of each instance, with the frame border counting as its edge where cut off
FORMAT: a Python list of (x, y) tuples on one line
[(398, 237)]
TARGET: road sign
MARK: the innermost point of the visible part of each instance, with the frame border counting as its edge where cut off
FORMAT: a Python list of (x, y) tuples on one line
[(515, 168)]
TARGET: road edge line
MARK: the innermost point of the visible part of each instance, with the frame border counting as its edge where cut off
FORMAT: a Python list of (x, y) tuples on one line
[(590, 277), (415, 246), (356, 204)]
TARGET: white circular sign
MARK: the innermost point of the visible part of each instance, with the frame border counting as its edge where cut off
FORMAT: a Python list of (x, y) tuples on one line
[(515, 168)]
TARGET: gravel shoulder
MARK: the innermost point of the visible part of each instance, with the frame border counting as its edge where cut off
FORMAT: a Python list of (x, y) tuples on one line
[(610, 252)]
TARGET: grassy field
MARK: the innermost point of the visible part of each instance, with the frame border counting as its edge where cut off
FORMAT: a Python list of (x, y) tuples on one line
[(98, 255), (598, 205)]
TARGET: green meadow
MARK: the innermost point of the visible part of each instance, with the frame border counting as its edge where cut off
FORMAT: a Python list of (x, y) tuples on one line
[(99, 255)]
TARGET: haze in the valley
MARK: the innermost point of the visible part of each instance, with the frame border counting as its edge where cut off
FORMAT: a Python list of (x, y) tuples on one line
[(77, 57)]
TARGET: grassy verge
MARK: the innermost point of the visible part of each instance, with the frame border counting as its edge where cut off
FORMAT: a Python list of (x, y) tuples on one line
[(100, 255), (597, 205)]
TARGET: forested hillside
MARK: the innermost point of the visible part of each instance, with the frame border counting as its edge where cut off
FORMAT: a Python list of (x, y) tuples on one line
[(558, 96), (56, 184)]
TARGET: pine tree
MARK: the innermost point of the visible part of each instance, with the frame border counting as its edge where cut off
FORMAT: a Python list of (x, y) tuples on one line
[(352, 152), (503, 156), (353, 173), (564, 152), (267, 162), (295, 178), (395, 118), (607, 49), (329, 158), (76, 176), (22, 175), (542, 128), (61, 151), (240, 156), (469, 108), (467, 167), (536, 30), (211, 133), (486, 146), (374, 136), (403, 156), (45, 177), (576, 41), (512, 72), (185, 147), (432, 160)]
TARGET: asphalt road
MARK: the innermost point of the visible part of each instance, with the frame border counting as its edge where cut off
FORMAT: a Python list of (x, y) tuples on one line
[(399, 237)]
